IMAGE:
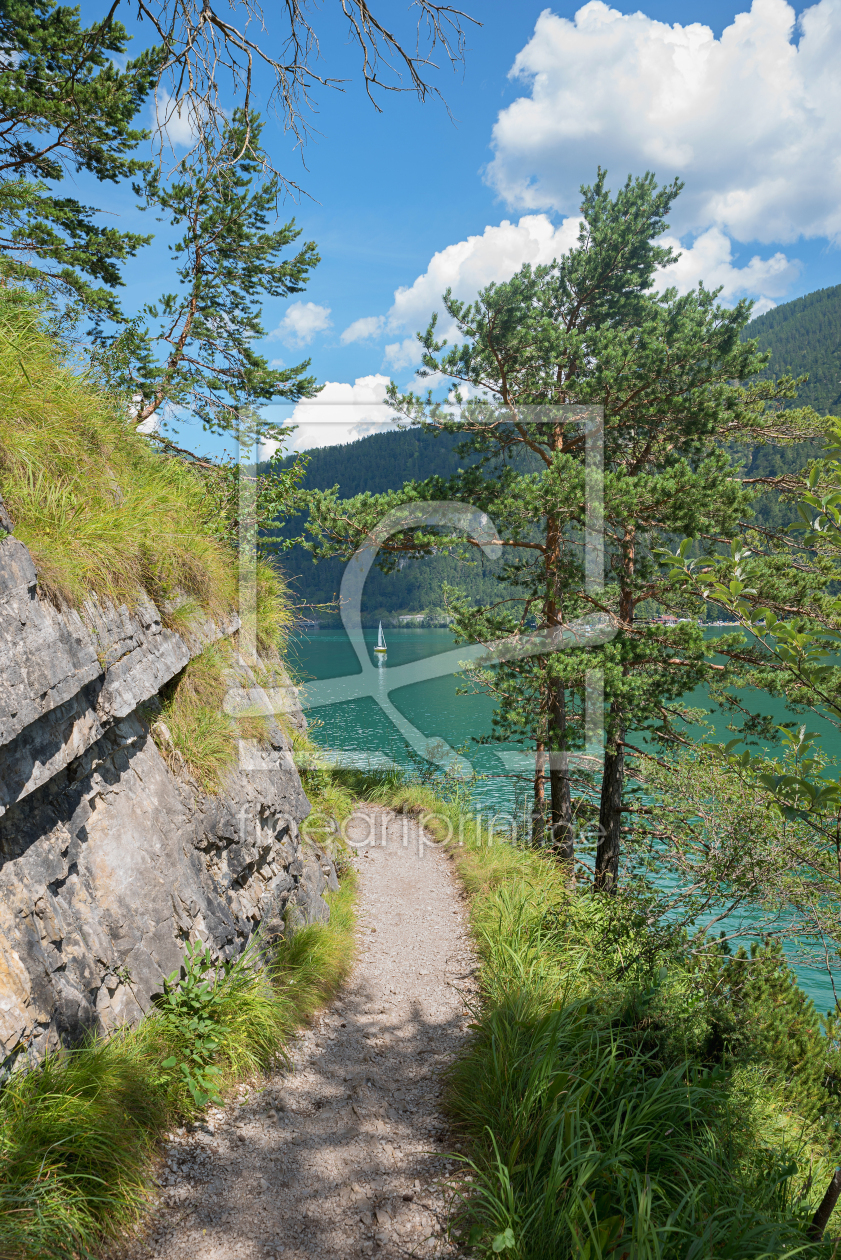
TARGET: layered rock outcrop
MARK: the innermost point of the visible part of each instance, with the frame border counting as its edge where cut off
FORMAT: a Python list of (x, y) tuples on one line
[(110, 860)]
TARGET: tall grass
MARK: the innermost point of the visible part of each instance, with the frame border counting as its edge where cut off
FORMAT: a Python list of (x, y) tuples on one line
[(76, 1139), (275, 613), (100, 511), (619, 1097), (194, 731)]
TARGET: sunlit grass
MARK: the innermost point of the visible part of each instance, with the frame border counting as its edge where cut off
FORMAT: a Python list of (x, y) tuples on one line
[(101, 512), (593, 1129)]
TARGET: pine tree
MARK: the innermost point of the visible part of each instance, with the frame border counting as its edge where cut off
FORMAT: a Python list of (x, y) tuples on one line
[(591, 331), (65, 105), (192, 350)]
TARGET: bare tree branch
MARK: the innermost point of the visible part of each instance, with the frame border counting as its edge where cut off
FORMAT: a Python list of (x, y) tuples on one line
[(208, 56)]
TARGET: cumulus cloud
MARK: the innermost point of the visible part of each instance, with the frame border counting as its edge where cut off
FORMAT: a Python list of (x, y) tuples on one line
[(465, 267), (711, 259), (301, 322), (338, 413), (176, 119), (749, 120), (403, 354), (762, 305), (501, 251), (469, 265), (362, 329)]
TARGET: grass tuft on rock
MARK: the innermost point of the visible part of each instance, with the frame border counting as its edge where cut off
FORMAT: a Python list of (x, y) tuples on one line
[(194, 733), (101, 512)]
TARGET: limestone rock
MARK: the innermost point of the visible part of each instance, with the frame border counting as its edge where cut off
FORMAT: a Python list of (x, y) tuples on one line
[(65, 678), (110, 860)]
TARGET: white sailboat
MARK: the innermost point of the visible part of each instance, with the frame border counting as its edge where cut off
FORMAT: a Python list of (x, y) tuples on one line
[(381, 648)]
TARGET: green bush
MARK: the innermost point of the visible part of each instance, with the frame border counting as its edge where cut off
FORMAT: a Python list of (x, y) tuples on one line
[(189, 1012)]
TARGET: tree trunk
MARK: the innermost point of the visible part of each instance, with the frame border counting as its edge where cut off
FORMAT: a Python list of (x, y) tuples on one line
[(563, 842), (610, 815), (561, 834), (821, 1218), (538, 813), (606, 875)]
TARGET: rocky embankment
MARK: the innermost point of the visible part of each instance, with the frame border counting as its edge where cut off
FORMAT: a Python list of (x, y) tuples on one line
[(111, 858)]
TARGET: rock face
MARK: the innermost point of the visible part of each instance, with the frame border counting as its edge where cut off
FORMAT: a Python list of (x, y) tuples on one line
[(109, 859)]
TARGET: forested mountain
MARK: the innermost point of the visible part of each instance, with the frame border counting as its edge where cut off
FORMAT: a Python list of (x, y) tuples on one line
[(384, 461), (381, 462), (804, 337)]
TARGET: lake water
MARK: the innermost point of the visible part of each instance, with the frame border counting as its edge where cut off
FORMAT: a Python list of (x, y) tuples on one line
[(362, 733), (366, 731)]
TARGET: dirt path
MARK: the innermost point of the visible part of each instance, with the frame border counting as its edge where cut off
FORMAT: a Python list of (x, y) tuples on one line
[(337, 1157)]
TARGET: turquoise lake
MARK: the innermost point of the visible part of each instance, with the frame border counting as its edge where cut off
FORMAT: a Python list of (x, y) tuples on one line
[(360, 732)]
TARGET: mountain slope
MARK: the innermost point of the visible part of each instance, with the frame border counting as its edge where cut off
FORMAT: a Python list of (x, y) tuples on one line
[(804, 336), (380, 462)]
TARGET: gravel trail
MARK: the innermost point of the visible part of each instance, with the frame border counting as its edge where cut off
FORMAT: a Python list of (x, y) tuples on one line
[(342, 1155)]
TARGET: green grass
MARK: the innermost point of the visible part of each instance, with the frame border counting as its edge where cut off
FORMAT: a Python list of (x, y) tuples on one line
[(76, 1140), (78, 1134), (619, 1097), (103, 512), (193, 731), (100, 511)]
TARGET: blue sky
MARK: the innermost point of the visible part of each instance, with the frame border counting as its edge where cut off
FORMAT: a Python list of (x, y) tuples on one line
[(745, 112)]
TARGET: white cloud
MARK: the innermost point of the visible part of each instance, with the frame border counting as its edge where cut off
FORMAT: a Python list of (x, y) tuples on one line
[(761, 306), (501, 251), (362, 329), (338, 413), (301, 322), (711, 259), (750, 120), (470, 265), (176, 118), (465, 267), (405, 353)]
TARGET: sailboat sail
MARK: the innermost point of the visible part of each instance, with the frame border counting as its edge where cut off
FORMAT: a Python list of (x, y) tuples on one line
[(380, 640)]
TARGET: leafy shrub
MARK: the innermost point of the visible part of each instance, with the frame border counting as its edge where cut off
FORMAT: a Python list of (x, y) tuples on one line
[(188, 1011)]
